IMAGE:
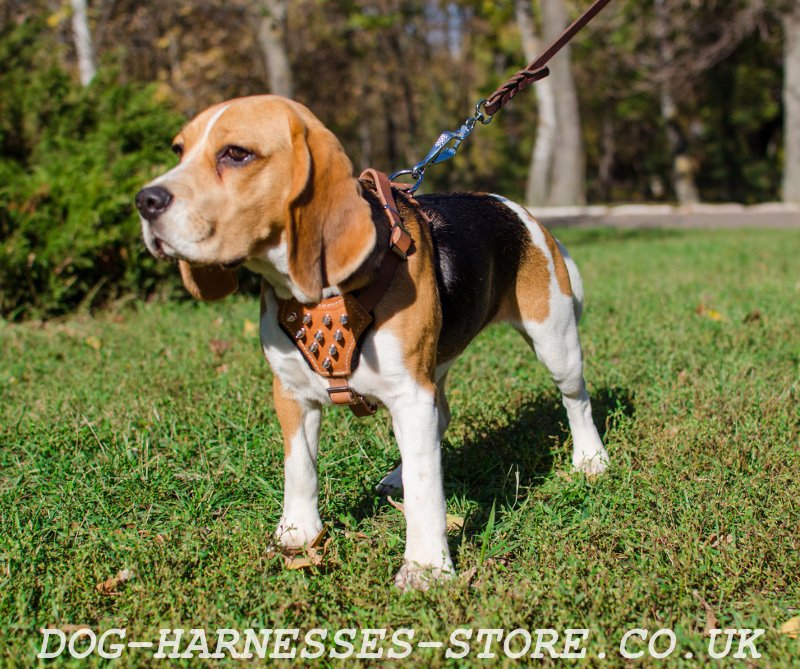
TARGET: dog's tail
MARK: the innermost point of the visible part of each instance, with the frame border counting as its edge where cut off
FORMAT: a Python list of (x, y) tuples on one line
[(575, 281)]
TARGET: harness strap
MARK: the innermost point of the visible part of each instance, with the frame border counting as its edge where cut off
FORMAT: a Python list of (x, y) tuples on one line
[(328, 333)]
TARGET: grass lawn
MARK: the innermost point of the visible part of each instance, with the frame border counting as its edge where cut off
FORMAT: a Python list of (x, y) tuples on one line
[(145, 439)]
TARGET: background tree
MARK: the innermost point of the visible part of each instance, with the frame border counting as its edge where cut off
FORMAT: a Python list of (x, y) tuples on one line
[(537, 189), (568, 180), (386, 76), (84, 47), (791, 101), (272, 40)]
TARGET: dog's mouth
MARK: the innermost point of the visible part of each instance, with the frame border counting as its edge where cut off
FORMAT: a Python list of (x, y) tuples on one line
[(162, 250)]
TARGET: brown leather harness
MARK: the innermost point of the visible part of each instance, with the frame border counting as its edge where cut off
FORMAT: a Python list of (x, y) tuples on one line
[(328, 333)]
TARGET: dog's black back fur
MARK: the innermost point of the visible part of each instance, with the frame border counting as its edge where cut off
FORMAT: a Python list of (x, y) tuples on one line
[(477, 239)]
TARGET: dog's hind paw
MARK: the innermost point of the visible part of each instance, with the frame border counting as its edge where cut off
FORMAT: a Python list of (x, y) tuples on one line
[(413, 576), (391, 483)]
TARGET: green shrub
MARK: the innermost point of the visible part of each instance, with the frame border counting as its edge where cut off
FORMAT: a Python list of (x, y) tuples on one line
[(71, 161)]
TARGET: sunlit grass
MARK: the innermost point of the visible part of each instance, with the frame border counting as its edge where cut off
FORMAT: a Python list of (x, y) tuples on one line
[(130, 441)]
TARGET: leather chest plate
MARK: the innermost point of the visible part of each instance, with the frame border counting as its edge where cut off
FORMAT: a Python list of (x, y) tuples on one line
[(326, 333)]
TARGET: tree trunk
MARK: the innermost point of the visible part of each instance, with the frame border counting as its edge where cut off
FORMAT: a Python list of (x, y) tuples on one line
[(537, 188), (791, 101), (272, 40), (568, 186), (683, 166), (87, 65)]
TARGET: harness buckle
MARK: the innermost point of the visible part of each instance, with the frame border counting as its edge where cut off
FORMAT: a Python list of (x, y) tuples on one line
[(342, 395), (345, 396), (400, 241)]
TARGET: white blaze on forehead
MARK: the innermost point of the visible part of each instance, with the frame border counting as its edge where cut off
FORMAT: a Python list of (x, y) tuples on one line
[(209, 127), (197, 149)]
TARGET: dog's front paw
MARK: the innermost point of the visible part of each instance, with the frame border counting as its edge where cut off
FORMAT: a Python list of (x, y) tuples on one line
[(414, 576), (294, 535), (592, 463)]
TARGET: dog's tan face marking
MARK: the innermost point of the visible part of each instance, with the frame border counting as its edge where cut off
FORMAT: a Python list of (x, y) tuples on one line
[(230, 188), (256, 173)]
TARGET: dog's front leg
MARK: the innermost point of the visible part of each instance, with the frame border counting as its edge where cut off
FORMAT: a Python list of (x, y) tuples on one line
[(300, 523), (427, 557)]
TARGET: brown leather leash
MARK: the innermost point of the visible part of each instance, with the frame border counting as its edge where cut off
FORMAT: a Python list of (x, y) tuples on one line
[(446, 146), (328, 333), (537, 69)]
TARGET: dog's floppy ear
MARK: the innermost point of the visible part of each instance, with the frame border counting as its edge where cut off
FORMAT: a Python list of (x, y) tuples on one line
[(208, 282), (329, 225)]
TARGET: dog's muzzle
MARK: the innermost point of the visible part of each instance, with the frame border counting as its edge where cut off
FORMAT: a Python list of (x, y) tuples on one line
[(153, 201)]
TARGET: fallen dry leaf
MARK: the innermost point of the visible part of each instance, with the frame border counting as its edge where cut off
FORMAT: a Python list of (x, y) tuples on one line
[(711, 618), (249, 327), (305, 557), (218, 346), (791, 628), (93, 342), (67, 628), (720, 540), (397, 505), (711, 314), (753, 317), (356, 535), (109, 586), (312, 558), (468, 576)]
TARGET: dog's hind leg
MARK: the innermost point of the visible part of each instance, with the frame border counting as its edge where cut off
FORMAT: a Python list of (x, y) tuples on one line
[(441, 399), (555, 341), (300, 523), (545, 307)]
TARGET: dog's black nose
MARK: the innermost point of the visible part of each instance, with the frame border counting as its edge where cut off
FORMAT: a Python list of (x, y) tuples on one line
[(153, 201)]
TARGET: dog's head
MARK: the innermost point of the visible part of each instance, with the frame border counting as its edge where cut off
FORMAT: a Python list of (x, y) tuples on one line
[(258, 174)]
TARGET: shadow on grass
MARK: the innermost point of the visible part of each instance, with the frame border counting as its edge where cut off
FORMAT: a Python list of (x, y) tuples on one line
[(495, 460)]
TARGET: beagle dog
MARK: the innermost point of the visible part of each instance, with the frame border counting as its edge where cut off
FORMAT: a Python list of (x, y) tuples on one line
[(262, 183)]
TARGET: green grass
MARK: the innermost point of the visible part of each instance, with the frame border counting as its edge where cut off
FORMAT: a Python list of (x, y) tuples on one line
[(127, 442)]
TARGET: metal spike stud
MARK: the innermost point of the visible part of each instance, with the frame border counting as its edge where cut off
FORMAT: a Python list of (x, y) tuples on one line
[(327, 363), (333, 351), (338, 336), (307, 319), (319, 336), (314, 347), (300, 333), (291, 318), (343, 319), (326, 320)]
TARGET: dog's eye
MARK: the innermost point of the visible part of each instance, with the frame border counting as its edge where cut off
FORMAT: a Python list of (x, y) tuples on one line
[(236, 155), (177, 149)]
